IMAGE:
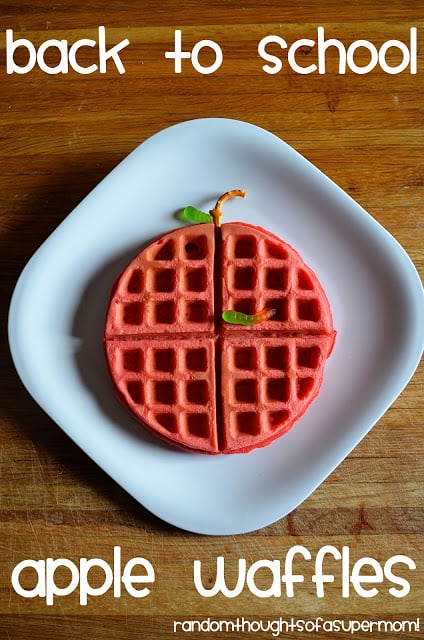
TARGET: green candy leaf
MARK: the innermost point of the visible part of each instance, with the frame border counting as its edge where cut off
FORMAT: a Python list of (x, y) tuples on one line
[(191, 214)]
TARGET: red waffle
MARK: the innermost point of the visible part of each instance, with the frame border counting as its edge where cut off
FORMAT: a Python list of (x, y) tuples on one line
[(167, 288), (195, 381), (261, 271), (170, 386), (267, 384)]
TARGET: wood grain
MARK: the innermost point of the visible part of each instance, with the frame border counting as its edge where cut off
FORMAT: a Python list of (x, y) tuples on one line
[(59, 136)]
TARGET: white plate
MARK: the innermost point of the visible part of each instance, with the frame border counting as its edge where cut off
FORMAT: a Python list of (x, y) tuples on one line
[(58, 309)]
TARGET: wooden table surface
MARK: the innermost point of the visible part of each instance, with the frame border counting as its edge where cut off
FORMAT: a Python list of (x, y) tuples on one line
[(59, 136)]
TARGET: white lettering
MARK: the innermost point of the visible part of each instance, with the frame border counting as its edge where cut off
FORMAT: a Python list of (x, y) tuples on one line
[(323, 45), (178, 54), (62, 66), (56, 578), (398, 593), (46, 573), (319, 578), (268, 57), (195, 56), (104, 54), (11, 46), (40, 587), (409, 56), (346, 57), (66, 58), (304, 42), (84, 42), (351, 52), (289, 578), (128, 579), (275, 588), (356, 578), (52, 589), (220, 584), (85, 588)]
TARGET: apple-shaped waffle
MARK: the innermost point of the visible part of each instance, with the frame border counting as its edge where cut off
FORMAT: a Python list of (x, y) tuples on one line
[(217, 335)]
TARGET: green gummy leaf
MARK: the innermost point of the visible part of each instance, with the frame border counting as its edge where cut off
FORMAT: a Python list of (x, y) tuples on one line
[(191, 214)]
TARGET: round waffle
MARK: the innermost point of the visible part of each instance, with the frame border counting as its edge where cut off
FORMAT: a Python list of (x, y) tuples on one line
[(197, 381)]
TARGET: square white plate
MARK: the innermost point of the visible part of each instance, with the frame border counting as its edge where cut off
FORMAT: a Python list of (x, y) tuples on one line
[(59, 304)]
